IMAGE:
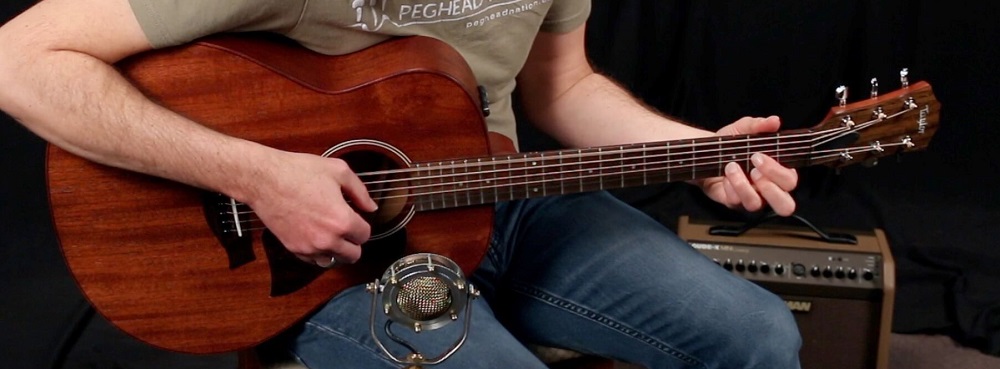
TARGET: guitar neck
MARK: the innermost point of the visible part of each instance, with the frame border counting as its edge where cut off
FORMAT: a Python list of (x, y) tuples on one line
[(477, 181)]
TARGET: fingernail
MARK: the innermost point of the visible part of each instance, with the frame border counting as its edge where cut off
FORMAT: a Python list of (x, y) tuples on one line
[(757, 159), (732, 168), (755, 174)]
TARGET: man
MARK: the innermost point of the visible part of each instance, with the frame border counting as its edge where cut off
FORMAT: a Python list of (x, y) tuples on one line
[(611, 282)]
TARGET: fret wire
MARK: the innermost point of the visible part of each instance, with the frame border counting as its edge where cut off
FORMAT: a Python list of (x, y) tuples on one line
[(621, 155), (600, 168), (581, 168), (694, 144), (580, 154), (562, 182), (580, 160), (479, 167), (748, 162), (542, 161)]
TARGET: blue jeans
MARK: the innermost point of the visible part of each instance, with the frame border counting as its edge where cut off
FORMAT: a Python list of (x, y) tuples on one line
[(588, 273)]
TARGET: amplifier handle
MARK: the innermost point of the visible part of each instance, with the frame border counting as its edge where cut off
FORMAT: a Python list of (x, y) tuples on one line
[(733, 231)]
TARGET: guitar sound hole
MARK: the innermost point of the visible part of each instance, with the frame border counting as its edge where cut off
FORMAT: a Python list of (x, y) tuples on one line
[(389, 190)]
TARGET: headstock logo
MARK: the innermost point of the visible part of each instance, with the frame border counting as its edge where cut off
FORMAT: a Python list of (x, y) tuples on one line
[(922, 122)]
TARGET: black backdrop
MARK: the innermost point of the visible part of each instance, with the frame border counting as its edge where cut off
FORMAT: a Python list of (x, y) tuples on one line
[(708, 62)]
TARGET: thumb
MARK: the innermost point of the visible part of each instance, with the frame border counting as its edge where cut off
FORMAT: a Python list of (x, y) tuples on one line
[(752, 125)]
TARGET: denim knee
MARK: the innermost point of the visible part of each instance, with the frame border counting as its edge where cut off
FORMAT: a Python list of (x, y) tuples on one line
[(775, 336)]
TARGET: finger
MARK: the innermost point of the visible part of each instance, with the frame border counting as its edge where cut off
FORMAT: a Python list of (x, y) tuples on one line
[(765, 166), (358, 230), (765, 125), (732, 200), (326, 261), (751, 125), (344, 251), (780, 200), (745, 191), (355, 190), (347, 252)]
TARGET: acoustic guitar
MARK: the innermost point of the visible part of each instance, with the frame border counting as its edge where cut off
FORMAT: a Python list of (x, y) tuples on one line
[(193, 271)]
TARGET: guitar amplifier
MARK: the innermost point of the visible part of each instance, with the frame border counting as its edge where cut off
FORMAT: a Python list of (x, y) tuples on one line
[(840, 294)]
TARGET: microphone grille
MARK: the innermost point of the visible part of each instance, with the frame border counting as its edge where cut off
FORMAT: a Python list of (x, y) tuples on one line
[(424, 298)]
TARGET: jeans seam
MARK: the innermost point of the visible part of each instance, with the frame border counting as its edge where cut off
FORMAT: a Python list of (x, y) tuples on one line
[(378, 354), (584, 312)]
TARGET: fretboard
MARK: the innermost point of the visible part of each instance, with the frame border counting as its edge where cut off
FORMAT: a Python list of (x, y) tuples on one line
[(476, 181)]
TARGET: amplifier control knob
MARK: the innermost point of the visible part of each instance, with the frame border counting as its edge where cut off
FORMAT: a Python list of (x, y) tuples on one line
[(764, 268), (839, 273), (868, 275), (814, 271), (852, 273), (779, 269), (828, 272), (728, 265), (739, 266), (752, 267)]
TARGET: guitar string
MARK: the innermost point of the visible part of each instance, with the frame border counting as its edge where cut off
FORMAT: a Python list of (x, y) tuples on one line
[(255, 224), (253, 221), (830, 135)]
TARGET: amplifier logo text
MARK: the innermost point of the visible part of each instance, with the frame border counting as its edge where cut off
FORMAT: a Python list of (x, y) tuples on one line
[(799, 306)]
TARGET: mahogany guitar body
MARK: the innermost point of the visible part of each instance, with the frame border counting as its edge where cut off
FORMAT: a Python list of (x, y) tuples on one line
[(157, 259), (142, 248)]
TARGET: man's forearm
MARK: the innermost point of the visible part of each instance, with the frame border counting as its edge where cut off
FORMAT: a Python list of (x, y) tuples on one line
[(83, 105), (597, 111)]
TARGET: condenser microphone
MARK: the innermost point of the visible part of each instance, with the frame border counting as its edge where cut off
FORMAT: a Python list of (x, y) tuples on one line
[(422, 292)]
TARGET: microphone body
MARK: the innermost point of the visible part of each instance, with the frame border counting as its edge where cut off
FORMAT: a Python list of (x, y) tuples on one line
[(422, 292)]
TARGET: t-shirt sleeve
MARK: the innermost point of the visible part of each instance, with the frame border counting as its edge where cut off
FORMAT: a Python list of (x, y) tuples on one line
[(174, 22), (566, 15)]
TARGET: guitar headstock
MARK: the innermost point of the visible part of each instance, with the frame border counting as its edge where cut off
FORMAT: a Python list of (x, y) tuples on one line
[(900, 121)]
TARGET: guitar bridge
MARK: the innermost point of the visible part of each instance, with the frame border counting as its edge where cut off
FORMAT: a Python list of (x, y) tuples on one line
[(224, 217)]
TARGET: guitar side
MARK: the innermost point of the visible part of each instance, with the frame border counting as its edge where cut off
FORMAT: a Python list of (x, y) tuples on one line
[(141, 247)]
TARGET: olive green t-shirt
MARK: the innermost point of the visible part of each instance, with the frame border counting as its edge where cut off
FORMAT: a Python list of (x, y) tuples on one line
[(494, 36)]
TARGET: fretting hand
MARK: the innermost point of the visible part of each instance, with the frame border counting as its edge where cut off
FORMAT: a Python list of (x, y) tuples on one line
[(768, 183)]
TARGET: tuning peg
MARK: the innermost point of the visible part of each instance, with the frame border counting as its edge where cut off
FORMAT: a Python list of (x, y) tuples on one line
[(842, 95), (874, 87), (904, 77), (847, 121), (879, 114)]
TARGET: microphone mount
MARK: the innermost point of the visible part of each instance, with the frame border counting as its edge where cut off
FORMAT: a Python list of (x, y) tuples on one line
[(422, 292)]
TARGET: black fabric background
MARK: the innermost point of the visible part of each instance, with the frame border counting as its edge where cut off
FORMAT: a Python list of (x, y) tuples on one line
[(707, 62)]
